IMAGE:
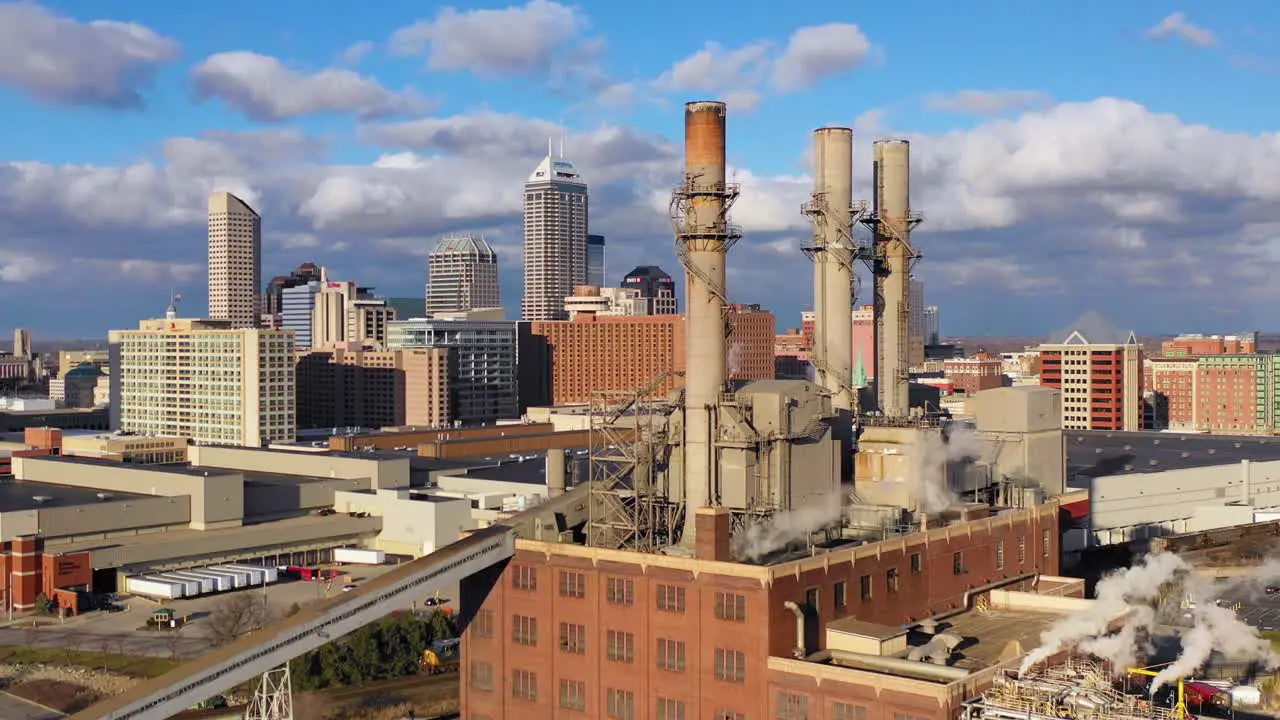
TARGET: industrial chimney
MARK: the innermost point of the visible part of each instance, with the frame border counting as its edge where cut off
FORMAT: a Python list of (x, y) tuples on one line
[(703, 235), (893, 222), (831, 211)]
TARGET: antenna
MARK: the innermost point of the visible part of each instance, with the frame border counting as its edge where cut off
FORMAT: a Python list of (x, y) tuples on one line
[(562, 138), (549, 139)]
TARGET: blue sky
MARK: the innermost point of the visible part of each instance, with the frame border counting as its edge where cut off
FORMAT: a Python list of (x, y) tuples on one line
[(1067, 156)]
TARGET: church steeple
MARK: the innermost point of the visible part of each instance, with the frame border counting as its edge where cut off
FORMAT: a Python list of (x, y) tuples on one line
[(859, 370)]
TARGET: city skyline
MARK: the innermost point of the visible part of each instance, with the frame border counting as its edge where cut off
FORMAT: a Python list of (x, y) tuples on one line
[(360, 160)]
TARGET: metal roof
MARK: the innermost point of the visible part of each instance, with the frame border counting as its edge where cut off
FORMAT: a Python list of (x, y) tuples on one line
[(464, 243), (1104, 453), (1092, 329)]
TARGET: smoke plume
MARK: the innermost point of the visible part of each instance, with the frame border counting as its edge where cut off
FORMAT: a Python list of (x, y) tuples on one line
[(759, 539), (930, 463), (733, 358)]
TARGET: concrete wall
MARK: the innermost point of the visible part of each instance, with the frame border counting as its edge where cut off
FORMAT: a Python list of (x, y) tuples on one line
[(108, 517), (410, 527), (1022, 430), (263, 499), (384, 472), (217, 499)]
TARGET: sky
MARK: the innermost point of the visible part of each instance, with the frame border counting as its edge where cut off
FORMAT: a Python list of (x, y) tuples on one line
[(1066, 156)]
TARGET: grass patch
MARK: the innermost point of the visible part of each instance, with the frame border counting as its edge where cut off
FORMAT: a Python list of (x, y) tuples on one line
[(132, 665), (66, 698), (1272, 636)]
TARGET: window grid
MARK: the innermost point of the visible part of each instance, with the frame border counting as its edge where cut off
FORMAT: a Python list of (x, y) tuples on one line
[(573, 584), (621, 646), (481, 676), (483, 625), (848, 711), (891, 580), (524, 685), (621, 591), (731, 606), (792, 706), (917, 563), (573, 638), (669, 709), (573, 695), (670, 655), (671, 598), (620, 704), (524, 577), (838, 595), (730, 665), (1000, 555), (524, 630)]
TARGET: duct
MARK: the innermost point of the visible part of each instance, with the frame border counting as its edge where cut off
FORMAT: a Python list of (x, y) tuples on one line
[(833, 262), (938, 650), (555, 471), (930, 623), (898, 666), (800, 650)]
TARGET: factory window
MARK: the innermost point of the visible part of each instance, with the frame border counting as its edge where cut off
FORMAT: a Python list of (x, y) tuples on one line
[(573, 584), (524, 630), (573, 695), (524, 685), (906, 716), (839, 595), (1044, 544), (848, 711), (811, 598), (1022, 549), (483, 624), (524, 577), (792, 706), (621, 591), (864, 588), (891, 580), (957, 563), (620, 705), (481, 676), (731, 607), (1000, 555), (670, 709), (730, 715), (730, 665), (670, 655), (621, 646), (671, 598), (917, 563), (573, 638)]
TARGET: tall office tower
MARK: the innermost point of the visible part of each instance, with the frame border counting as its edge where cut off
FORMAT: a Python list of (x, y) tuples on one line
[(656, 288), (22, 343), (595, 260), (932, 329), (462, 275), (297, 306), (205, 380), (555, 237), (273, 295), (916, 333), (235, 261)]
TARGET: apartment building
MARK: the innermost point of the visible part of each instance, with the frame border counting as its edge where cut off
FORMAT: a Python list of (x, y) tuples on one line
[(341, 387), (975, 374), (1171, 393), (749, 353), (1099, 371), (203, 379), (482, 383), (1196, 345)]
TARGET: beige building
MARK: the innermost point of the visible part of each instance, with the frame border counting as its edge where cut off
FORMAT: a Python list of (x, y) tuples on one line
[(235, 261), (342, 314), (361, 388), (555, 238), (69, 360), (140, 449), (205, 380)]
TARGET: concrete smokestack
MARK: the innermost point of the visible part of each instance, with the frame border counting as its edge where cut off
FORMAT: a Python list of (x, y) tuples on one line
[(703, 236), (832, 212), (555, 471), (894, 257)]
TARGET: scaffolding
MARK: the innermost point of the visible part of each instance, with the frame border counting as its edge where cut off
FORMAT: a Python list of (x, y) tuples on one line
[(630, 505), (686, 198), (273, 698), (1078, 689)]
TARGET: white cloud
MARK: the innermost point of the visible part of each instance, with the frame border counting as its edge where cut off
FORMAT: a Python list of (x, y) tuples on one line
[(18, 267), (818, 52), (356, 52), (988, 102), (1176, 25), (511, 41), (266, 89), (64, 61)]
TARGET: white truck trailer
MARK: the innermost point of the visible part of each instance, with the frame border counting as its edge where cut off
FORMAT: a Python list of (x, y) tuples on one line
[(358, 556), (151, 587)]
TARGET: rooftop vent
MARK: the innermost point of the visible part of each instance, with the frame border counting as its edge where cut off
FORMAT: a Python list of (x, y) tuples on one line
[(42, 499), (1213, 450), (104, 496)]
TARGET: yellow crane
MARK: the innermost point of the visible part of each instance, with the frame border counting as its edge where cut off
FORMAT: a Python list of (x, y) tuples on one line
[(1179, 710)]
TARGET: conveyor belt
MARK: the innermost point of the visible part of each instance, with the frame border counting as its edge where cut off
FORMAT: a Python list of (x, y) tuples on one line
[(278, 643)]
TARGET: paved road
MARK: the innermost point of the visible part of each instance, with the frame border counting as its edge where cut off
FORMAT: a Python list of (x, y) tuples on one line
[(135, 644), (13, 707)]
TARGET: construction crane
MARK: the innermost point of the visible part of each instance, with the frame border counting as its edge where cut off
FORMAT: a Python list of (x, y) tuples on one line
[(1180, 709)]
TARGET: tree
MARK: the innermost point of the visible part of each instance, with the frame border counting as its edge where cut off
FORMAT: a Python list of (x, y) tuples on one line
[(235, 616), (44, 605)]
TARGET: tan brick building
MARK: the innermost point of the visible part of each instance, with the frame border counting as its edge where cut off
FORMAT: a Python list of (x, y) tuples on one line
[(1194, 345), (364, 388), (973, 375)]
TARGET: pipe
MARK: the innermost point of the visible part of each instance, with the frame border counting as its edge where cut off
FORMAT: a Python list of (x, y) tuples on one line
[(966, 602), (898, 666), (1244, 481), (799, 650), (555, 471)]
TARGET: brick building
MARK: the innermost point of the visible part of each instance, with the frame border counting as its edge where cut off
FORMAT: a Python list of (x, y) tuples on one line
[(26, 571), (605, 633), (1171, 386), (1195, 345), (864, 337), (1099, 371), (750, 348), (975, 374), (1234, 394), (364, 388)]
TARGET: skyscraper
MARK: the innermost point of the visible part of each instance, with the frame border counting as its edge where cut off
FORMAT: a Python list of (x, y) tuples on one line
[(656, 287), (595, 260), (462, 274), (555, 237), (235, 261), (916, 335)]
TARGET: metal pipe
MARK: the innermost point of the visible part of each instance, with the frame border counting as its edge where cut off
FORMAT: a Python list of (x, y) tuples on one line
[(800, 650), (966, 601), (899, 666)]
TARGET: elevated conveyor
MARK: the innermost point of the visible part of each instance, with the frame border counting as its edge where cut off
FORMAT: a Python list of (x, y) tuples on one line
[(278, 643)]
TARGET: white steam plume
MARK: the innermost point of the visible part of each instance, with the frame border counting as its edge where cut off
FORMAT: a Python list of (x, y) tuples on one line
[(733, 358), (1117, 594), (1215, 628), (930, 463), (759, 539)]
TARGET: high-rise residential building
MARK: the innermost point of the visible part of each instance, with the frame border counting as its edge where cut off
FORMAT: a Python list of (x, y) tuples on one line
[(203, 379), (462, 275), (749, 354), (373, 388), (1098, 369), (595, 260), (273, 296), (235, 261), (555, 238), (482, 361), (1172, 395), (1195, 345), (297, 307), (972, 375), (656, 287), (932, 326)]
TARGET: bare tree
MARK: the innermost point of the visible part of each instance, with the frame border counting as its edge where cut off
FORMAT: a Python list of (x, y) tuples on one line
[(234, 616)]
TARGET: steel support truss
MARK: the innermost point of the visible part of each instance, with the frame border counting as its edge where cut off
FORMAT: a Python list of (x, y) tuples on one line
[(273, 699), (686, 199)]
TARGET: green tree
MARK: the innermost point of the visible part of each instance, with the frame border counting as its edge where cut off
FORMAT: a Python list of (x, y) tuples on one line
[(44, 606)]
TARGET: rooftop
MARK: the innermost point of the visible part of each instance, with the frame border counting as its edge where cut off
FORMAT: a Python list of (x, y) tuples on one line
[(173, 469), (555, 170), (531, 469), (1105, 453), (992, 637), (19, 495)]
